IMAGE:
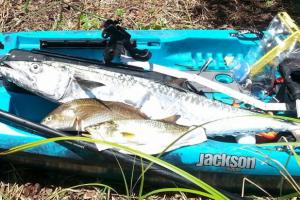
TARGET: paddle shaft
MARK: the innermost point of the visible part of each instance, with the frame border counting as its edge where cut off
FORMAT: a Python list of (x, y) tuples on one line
[(44, 131)]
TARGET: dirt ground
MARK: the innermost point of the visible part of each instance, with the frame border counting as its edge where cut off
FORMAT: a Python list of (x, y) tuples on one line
[(25, 15)]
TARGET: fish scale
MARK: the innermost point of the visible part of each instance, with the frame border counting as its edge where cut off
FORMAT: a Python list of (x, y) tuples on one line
[(185, 101), (148, 136)]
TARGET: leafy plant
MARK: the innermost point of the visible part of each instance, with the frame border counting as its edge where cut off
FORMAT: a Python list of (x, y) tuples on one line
[(157, 25), (120, 12), (27, 2), (269, 3), (88, 22)]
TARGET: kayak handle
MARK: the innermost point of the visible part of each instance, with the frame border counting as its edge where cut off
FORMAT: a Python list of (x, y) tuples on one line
[(241, 34)]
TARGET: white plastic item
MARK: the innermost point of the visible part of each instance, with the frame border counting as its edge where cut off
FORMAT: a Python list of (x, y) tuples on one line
[(207, 83), (246, 139), (298, 107)]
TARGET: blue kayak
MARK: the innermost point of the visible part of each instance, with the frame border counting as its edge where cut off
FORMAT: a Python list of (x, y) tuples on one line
[(219, 163)]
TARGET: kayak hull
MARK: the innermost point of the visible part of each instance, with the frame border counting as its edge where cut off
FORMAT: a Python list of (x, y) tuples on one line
[(110, 171), (221, 164)]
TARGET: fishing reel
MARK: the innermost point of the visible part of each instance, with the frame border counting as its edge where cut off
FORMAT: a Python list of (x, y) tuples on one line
[(119, 43)]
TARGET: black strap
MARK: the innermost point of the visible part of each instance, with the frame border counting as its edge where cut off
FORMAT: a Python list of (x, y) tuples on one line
[(80, 43)]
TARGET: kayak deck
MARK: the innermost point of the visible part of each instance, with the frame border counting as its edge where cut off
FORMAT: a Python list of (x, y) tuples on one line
[(179, 49), (183, 50)]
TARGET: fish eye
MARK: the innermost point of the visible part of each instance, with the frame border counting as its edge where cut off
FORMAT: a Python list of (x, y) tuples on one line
[(49, 118), (35, 68)]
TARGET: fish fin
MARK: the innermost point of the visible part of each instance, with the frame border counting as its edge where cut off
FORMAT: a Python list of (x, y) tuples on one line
[(100, 147), (145, 98), (77, 124), (69, 112), (176, 81), (177, 84), (127, 135), (171, 119), (87, 84), (103, 103)]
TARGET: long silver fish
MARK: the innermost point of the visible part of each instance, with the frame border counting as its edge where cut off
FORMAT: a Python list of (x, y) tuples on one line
[(62, 82), (148, 136)]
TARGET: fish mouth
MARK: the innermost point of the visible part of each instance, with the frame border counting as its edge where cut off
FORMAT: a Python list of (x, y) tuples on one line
[(4, 64), (14, 75)]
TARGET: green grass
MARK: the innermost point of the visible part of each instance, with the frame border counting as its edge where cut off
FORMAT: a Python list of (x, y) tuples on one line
[(57, 194), (210, 191), (3, 196)]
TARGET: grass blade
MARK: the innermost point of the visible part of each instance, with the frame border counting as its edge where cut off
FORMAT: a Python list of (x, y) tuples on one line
[(142, 181), (81, 185), (216, 194), (282, 169), (124, 179), (177, 190), (280, 117), (288, 196), (254, 184), (132, 175)]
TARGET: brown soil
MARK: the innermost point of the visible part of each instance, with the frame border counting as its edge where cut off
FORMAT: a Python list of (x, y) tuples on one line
[(22, 15)]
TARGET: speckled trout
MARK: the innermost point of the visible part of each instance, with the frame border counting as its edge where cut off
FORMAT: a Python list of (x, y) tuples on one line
[(148, 136)]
